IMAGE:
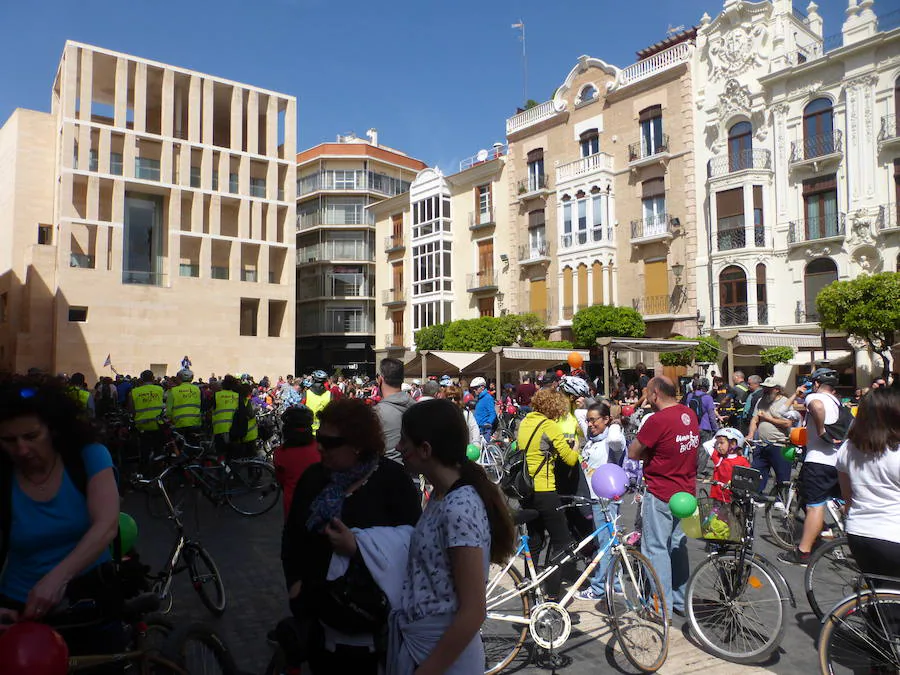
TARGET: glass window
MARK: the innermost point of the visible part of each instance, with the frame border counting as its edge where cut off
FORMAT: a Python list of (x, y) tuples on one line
[(590, 143), (818, 128), (652, 140), (819, 273), (536, 175), (597, 207), (740, 147), (146, 168), (115, 163), (258, 187), (195, 176), (582, 221)]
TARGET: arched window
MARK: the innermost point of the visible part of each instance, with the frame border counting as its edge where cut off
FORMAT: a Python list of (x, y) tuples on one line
[(740, 146), (732, 297), (818, 129), (819, 273), (762, 301), (588, 93), (590, 143)]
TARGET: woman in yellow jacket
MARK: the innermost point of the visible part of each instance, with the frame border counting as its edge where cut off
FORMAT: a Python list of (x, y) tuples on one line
[(543, 442)]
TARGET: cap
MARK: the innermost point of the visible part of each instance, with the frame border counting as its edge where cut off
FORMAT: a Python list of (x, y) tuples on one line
[(417, 382), (478, 382), (769, 383)]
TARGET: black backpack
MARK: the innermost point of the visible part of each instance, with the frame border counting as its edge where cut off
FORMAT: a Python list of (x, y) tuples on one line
[(240, 423), (837, 432), (695, 403)]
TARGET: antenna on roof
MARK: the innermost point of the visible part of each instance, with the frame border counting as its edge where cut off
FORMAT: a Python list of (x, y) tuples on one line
[(674, 30)]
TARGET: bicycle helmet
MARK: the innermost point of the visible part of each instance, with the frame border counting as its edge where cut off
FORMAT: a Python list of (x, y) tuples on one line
[(574, 386), (733, 435), (319, 376), (186, 375), (826, 376)]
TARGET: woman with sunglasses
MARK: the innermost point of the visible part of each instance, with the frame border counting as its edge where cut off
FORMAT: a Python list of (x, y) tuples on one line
[(354, 486), (59, 513), (465, 527)]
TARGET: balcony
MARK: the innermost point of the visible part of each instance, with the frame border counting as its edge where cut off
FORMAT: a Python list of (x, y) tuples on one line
[(532, 116), (393, 297), (728, 239), (734, 315), (643, 153), (653, 228), (393, 341), (817, 152), (534, 254), (658, 63), (335, 219), (483, 156), (393, 243), (533, 187), (745, 160), (654, 305), (582, 238), (888, 218), (819, 228), (482, 282), (889, 134), (759, 236), (481, 219), (351, 181), (333, 251), (142, 278), (762, 314), (584, 167), (335, 323)]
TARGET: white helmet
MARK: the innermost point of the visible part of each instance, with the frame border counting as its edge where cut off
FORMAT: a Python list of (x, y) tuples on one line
[(574, 386), (732, 434)]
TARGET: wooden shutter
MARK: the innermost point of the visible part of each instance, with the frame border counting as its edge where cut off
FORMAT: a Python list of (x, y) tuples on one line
[(656, 278), (730, 203), (535, 155), (568, 292), (597, 274), (655, 187), (486, 256), (650, 113), (582, 286), (537, 296)]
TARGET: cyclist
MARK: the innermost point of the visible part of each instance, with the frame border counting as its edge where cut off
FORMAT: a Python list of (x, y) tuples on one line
[(485, 407), (183, 403), (78, 392), (317, 395), (729, 447), (570, 480), (772, 419)]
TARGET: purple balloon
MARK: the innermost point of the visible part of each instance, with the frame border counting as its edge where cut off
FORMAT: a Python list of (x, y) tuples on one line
[(609, 481)]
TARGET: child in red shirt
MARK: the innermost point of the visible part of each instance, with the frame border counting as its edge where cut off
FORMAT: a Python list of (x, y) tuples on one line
[(728, 448), (297, 453)]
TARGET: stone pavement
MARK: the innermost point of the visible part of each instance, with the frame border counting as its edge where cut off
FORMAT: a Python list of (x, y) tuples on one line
[(246, 551)]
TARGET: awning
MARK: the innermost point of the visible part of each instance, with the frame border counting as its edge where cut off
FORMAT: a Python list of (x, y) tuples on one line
[(647, 345), (438, 362), (773, 339), (514, 359)]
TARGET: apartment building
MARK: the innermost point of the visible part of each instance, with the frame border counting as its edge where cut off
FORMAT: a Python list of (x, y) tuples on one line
[(799, 167), (337, 186), (446, 252), (602, 197), (145, 217)]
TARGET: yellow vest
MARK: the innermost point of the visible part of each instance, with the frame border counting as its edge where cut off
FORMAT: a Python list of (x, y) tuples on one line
[(223, 412), (80, 396), (569, 425), (316, 402), (148, 406), (252, 426), (183, 405)]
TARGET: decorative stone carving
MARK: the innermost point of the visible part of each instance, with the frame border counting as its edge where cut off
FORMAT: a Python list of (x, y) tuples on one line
[(736, 51), (862, 228), (758, 120), (734, 99), (867, 260), (712, 134)]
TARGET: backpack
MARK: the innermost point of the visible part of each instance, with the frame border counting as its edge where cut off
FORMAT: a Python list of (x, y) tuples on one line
[(240, 423), (695, 403), (521, 483), (837, 432)]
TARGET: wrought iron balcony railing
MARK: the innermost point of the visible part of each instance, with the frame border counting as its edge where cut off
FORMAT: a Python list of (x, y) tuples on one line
[(818, 227), (813, 147)]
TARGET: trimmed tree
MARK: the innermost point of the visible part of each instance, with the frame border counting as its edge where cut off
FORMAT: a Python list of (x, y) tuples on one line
[(706, 352), (867, 308), (772, 356), (553, 344), (606, 321), (431, 337)]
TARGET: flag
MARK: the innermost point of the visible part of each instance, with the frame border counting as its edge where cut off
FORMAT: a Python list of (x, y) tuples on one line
[(108, 361)]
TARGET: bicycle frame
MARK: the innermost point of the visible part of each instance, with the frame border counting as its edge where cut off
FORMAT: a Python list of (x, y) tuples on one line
[(79, 663)]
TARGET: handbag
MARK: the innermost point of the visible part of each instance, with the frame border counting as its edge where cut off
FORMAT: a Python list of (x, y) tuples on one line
[(354, 603), (522, 484)]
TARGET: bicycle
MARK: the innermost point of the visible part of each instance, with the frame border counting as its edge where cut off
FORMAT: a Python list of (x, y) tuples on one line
[(861, 634), (247, 485), (736, 600), (185, 554), (831, 575), (517, 605)]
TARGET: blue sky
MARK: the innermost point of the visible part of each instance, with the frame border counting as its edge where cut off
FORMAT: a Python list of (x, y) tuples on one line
[(436, 78)]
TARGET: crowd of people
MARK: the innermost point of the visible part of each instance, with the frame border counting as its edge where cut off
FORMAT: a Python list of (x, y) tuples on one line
[(350, 450)]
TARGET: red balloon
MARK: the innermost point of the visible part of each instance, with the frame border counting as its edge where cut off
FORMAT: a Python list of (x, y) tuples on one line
[(29, 648), (559, 373), (627, 410)]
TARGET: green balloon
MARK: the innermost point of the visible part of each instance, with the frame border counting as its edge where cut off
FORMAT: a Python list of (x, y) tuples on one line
[(128, 531), (789, 452), (473, 452), (683, 504), (513, 446)]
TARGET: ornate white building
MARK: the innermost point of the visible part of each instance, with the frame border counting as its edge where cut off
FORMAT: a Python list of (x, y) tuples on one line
[(799, 151)]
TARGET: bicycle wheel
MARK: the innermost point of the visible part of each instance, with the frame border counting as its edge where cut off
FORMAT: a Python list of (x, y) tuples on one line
[(736, 611), (197, 649), (637, 606), (502, 638), (832, 575), (205, 578), (491, 461), (861, 635), (251, 488), (155, 632), (786, 525)]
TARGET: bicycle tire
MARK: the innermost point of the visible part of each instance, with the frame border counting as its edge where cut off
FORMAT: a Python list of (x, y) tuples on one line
[(503, 640), (827, 562), (786, 526), (184, 645), (156, 631), (714, 612), (251, 488), (840, 640), (641, 598), (195, 555)]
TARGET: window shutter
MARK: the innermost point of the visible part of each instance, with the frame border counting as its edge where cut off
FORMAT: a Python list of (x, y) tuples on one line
[(650, 113), (820, 184), (730, 203), (655, 187), (536, 218), (535, 155)]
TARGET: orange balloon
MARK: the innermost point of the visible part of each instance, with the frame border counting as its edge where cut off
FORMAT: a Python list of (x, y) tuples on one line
[(798, 436), (575, 360)]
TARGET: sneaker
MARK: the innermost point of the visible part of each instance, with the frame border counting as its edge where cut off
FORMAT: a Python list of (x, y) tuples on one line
[(758, 504), (795, 557), (589, 595)]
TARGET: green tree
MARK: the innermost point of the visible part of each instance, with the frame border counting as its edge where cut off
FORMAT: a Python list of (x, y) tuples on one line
[(867, 307), (606, 321), (431, 337), (522, 329), (772, 356), (553, 344), (706, 352)]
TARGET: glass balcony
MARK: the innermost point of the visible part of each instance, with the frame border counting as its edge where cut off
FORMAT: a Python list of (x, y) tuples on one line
[(485, 280), (534, 253), (146, 168)]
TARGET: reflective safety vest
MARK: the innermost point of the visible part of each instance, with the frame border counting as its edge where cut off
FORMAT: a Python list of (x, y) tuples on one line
[(226, 404), (183, 405), (252, 425), (148, 406), (80, 396), (316, 402), (569, 426)]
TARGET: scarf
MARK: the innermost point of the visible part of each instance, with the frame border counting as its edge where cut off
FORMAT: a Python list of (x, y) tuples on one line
[(330, 501)]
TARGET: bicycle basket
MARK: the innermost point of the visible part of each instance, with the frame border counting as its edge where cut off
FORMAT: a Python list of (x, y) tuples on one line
[(720, 521)]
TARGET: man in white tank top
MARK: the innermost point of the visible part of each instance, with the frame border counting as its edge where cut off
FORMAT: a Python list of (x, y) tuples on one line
[(818, 477)]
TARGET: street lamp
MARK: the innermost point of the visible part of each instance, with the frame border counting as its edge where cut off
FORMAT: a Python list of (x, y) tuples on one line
[(677, 269)]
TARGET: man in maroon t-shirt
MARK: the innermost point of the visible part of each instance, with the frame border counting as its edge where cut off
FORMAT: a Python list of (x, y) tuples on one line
[(667, 443), (524, 393)]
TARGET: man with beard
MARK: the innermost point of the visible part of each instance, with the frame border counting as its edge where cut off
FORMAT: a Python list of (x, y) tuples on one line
[(773, 417)]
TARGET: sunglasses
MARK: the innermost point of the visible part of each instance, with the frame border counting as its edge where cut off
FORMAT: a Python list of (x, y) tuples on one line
[(330, 442)]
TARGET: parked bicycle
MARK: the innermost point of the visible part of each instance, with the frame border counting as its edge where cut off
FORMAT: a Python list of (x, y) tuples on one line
[(517, 604), (736, 600), (831, 575), (185, 555)]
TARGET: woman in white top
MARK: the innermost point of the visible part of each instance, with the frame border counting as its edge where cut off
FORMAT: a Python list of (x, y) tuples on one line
[(455, 394), (868, 467)]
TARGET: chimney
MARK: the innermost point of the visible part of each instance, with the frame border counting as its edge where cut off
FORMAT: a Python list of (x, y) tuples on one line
[(373, 136)]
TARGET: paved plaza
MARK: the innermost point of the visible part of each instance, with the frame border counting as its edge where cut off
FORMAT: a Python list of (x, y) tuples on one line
[(247, 553)]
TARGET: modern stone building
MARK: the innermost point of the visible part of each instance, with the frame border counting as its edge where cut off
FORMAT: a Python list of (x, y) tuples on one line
[(337, 186), (147, 216), (446, 252)]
